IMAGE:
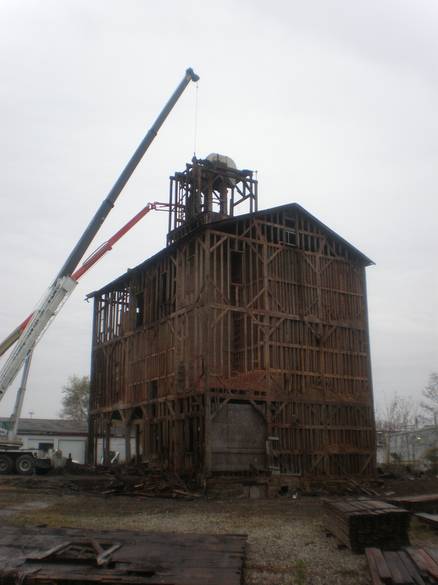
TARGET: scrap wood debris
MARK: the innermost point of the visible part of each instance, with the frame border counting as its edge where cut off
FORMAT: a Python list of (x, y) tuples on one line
[(347, 486), (42, 555), (153, 484), (138, 481), (410, 566), (354, 487)]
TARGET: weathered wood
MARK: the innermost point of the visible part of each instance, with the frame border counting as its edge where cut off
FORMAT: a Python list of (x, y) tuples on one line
[(420, 562), (399, 574), (361, 524), (380, 563), (41, 556), (412, 566), (376, 578), (427, 503), (428, 563), (431, 519), (266, 308)]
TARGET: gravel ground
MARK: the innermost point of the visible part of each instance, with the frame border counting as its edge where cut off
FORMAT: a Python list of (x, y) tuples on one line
[(286, 540)]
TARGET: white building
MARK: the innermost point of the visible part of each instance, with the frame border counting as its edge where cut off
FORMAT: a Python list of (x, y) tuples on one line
[(68, 436), (408, 447)]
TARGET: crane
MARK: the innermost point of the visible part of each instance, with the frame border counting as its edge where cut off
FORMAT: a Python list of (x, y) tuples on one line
[(87, 264), (8, 374), (29, 332)]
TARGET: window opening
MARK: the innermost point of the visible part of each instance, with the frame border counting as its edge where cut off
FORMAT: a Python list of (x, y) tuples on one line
[(139, 310), (45, 447), (290, 237), (163, 288), (236, 267), (153, 390)]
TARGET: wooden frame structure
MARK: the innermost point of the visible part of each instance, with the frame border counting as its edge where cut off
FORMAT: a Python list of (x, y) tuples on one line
[(243, 345)]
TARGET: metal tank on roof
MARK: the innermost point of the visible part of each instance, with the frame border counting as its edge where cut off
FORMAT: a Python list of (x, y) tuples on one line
[(223, 162)]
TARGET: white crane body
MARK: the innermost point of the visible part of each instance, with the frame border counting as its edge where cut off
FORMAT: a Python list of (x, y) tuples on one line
[(55, 297), (26, 336)]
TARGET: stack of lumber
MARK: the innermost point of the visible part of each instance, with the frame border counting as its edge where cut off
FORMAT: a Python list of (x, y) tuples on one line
[(411, 566), (359, 524), (424, 503)]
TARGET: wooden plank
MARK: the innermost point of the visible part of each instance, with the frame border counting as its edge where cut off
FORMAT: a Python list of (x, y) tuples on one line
[(399, 574), (379, 562), (432, 566), (374, 572), (432, 553), (417, 560), (416, 498), (411, 568), (431, 519), (422, 561)]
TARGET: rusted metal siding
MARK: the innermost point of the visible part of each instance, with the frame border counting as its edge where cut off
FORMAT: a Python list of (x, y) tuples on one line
[(267, 309)]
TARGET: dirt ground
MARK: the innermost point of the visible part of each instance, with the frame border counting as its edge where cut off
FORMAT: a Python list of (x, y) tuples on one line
[(287, 543)]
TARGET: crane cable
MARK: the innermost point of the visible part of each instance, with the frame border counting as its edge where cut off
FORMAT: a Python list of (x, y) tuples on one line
[(195, 123)]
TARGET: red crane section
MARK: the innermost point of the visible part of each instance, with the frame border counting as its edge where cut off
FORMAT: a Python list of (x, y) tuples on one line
[(88, 263)]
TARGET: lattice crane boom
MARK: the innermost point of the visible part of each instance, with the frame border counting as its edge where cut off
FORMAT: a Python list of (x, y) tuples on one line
[(28, 333)]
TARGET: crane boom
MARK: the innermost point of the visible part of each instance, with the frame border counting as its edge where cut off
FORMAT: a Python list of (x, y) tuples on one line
[(31, 330), (108, 203), (14, 336), (8, 372), (55, 296), (15, 417), (107, 246), (87, 264)]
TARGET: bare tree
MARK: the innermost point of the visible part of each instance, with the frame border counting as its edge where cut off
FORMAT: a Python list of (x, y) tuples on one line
[(430, 395), (75, 398), (400, 413)]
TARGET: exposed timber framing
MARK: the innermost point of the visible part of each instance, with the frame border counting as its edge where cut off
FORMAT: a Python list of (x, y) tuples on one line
[(261, 316)]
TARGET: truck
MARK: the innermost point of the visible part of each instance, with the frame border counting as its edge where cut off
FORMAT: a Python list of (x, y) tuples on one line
[(13, 458)]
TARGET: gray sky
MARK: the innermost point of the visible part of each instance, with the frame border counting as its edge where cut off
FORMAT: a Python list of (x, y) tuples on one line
[(334, 103)]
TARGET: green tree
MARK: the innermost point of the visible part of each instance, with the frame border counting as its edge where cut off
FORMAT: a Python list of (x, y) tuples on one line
[(75, 398)]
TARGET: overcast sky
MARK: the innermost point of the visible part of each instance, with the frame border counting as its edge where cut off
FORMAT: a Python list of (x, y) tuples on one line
[(334, 103)]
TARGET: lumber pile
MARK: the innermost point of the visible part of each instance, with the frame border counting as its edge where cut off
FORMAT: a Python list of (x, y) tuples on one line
[(360, 524), (411, 566)]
